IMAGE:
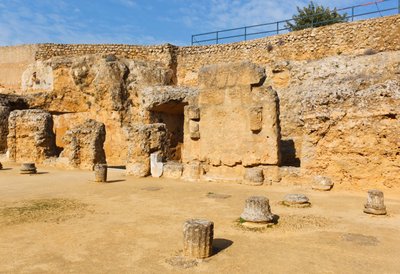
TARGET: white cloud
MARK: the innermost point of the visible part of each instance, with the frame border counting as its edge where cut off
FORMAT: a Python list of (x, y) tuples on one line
[(220, 14)]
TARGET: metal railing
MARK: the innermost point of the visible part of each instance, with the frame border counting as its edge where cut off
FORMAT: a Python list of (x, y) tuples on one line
[(353, 13)]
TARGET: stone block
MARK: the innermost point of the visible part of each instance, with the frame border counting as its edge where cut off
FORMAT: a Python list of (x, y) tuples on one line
[(156, 165), (83, 145), (173, 170), (231, 74), (142, 141), (194, 130), (192, 171), (375, 203), (255, 114), (254, 176), (138, 169), (192, 113), (30, 136), (4, 114)]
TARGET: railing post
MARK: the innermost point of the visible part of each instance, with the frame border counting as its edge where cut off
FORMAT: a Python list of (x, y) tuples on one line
[(192, 40), (398, 7), (277, 27), (312, 20), (216, 40), (352, 13), (245, 33)]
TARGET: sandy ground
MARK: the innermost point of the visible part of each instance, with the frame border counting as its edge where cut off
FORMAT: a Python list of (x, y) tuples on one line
[(62, 222)]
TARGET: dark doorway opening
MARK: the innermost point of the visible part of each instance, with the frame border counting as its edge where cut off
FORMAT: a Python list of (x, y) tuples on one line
[(171, 114)]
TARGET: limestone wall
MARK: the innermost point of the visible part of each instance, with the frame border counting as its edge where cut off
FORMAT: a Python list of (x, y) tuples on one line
[(380, 34), (13, 62), (235, 122)]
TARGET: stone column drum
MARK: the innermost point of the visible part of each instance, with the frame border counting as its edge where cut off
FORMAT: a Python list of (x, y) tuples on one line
[(28, 168), (375, 203), (198, 238), (257, 210), (100, 173)]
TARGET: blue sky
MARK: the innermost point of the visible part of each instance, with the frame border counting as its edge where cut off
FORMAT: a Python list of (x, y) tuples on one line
[(136, 21)]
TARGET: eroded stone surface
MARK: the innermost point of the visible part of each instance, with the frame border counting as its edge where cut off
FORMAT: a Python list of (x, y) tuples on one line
[(238, 122), (144, 140), (375, 203), (100, 173), (28, 168), (173, 170), (254, 176), (4, 113), (296, 200), (30, 136), (192, 171), (198, 237), (322, 183), (257, 210), (84, 145)]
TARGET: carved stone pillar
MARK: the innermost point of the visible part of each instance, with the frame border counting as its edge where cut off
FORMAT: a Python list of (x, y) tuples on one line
[(198, 238), (100, 173)]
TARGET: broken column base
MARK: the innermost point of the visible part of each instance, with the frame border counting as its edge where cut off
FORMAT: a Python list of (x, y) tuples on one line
[(28, 168), (253, 176)]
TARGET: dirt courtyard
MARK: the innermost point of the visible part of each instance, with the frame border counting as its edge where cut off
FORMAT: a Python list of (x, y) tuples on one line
[(60, 221)]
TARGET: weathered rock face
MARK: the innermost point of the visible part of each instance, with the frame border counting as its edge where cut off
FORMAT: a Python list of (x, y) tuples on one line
[(352, 133), (83, 145), (4, 113), (104, 88), (144, 140), (236, 120), (30, 136), (8, 103), (340, 115)]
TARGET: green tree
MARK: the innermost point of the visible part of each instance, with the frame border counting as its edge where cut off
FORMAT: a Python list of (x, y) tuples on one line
[(314, 16)]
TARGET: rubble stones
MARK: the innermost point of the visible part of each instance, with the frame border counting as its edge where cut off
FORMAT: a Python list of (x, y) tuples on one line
[(257, 210), (198, 237), (375, 203)]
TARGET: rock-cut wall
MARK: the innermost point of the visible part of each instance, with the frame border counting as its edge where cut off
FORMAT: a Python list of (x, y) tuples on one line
[(337, 88)]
